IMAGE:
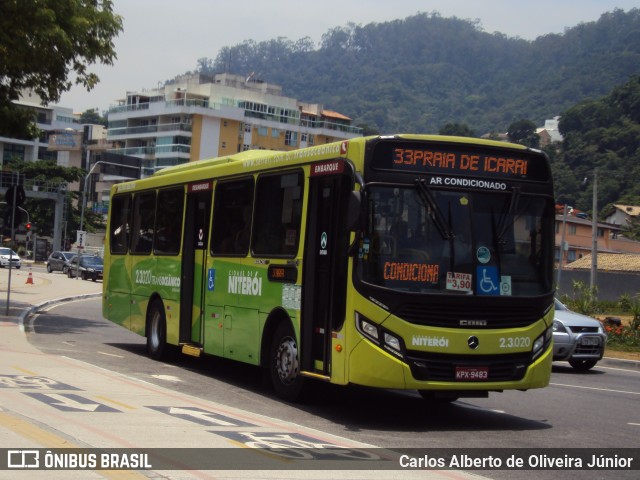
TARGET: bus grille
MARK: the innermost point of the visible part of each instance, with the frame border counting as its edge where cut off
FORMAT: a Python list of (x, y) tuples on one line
[(442, 368), (495, 317)]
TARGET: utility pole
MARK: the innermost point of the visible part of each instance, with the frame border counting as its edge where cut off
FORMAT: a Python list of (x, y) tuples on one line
[(594, 233)]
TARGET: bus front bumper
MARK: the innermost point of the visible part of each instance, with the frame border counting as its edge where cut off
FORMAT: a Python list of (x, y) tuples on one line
[(382, 369)]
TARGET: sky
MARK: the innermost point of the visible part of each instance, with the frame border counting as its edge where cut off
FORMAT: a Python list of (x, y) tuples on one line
[(165, 38)]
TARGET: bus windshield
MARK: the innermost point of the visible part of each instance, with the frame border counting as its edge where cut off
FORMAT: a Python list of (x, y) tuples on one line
[(455, 242)]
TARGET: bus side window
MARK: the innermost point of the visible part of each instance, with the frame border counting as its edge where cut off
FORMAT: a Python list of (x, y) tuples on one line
[(120, 224), (276, 228), (232, 209), (168, 231), (144, 206)]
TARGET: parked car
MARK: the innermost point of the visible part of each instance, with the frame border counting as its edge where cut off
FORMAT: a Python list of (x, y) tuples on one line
[(577, 338), (59, 261), (7, 255), (86, 267)]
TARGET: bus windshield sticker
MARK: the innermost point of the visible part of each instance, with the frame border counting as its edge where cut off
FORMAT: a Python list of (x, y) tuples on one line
[(291, 296), (483, 254), (487, 281), (505, 285), (460, 282)]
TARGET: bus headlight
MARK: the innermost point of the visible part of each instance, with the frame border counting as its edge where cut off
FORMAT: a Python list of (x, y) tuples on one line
[(393, 344), (379, 336), (367, 328), (391, 341), (540, 344)]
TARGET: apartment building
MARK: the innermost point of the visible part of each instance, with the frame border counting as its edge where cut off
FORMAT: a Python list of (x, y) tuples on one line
[(202, 116), (59, 127)]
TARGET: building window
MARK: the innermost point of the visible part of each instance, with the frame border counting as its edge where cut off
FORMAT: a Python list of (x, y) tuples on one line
[(12, 152), (572, 229), (275, 133), (224, 144), (291, 138), (263, 131)]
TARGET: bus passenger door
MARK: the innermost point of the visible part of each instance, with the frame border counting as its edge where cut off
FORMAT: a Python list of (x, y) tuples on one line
[(194, 263), (325, 270)]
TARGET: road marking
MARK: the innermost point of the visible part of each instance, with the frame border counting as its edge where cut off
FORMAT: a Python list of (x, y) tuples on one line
[(619, 369), (24, 370), (69, 402), (594, 388), (111, 400), (168, 378), (111, 354), (634, 424)]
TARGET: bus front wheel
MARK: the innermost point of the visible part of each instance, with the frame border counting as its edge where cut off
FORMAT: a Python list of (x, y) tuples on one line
[(284, 364), (156, 331)]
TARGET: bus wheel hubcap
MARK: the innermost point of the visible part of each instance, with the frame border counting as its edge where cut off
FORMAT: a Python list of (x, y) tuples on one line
[(287, 361), (155, 334)]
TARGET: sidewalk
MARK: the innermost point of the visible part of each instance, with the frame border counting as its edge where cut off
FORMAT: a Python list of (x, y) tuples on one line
[(55, 402)]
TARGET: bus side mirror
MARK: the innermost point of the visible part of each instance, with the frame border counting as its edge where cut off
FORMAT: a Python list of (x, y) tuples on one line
[(354, 211)]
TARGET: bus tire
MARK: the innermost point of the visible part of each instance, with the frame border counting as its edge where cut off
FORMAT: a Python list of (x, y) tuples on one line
[(156, 331), (284, 364)]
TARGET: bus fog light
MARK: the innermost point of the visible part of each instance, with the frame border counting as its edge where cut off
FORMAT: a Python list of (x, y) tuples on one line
[(391, 341)]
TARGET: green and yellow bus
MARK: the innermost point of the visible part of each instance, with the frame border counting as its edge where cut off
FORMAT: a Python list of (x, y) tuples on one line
[(402, 262)]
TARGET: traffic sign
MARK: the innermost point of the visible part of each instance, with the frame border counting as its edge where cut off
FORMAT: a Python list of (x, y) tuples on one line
[(81, 238)]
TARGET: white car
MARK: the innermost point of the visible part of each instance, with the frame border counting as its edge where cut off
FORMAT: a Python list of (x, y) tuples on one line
[(577, 338), (7, 255)]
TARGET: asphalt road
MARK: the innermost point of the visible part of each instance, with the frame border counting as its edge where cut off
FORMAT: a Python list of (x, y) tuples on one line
[(593, 409)]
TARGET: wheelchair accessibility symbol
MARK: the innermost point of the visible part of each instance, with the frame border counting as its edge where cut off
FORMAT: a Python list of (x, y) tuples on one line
[(487, 281), (211, 279)]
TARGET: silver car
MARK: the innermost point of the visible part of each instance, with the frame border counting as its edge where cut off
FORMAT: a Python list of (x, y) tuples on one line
[(59, 261), (577, 338)]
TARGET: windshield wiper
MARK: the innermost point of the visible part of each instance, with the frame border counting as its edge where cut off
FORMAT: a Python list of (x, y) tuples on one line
[(504, 223), (436, 215)]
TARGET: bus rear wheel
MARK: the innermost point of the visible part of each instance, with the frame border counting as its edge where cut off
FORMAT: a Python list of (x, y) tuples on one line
[(284, 364), (156, 331)]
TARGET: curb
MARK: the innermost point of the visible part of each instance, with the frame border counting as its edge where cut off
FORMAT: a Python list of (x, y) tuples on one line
[(34, 308)]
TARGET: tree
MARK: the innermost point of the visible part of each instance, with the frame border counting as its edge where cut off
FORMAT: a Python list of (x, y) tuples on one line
[(93, 117), (524, 133), (41, 212), (457, 129), (45, 42)]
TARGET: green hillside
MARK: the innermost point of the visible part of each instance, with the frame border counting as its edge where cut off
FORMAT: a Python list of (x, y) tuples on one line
[(424, 71)]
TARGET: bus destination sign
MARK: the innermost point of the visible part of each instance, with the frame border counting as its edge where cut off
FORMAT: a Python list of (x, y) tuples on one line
[(434, 158)]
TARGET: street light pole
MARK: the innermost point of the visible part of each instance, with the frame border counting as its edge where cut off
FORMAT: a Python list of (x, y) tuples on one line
[(594, 233)]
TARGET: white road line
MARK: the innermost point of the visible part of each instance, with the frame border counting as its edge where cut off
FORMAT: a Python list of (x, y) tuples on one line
[(618, 369), (111, 354), (594, 388)]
